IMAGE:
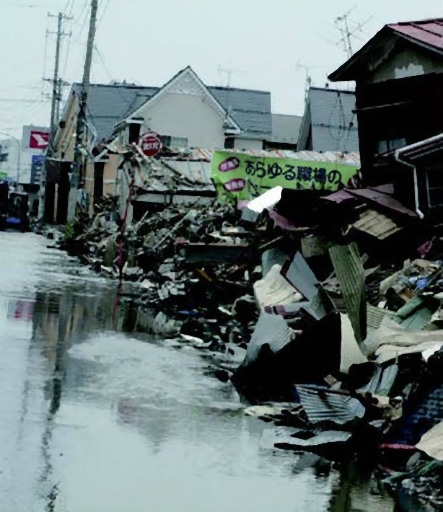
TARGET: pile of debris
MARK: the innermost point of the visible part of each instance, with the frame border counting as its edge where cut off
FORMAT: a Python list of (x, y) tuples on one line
[(337, 317)]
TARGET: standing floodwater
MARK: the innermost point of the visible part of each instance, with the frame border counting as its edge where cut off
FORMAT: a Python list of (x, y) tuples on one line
[(96, 420)]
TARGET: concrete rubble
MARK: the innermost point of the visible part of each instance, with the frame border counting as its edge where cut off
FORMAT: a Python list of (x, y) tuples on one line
[(338, 327)]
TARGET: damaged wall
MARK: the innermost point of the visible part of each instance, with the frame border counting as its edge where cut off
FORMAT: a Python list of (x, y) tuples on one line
[(406, 61)]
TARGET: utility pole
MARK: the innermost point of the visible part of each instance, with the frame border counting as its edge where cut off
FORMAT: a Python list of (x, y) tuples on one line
[(81, 116), (56, 81), (55, 87), (57, 84)]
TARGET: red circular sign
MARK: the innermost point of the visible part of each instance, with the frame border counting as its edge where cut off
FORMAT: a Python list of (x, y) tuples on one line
[(151, 144)]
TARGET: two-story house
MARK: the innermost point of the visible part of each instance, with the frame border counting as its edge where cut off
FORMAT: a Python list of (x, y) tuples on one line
[(399, 107), (184, 112)]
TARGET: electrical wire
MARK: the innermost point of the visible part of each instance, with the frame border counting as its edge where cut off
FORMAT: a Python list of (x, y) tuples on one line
[(103, 13), (83, 14)]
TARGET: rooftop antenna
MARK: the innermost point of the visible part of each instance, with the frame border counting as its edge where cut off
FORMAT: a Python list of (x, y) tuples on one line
[(308, 79), (342, 23), (229, 73)]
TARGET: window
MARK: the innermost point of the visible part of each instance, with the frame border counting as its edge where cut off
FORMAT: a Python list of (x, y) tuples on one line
[(174, 142), (390, 145), (3, 157), (229, 142)]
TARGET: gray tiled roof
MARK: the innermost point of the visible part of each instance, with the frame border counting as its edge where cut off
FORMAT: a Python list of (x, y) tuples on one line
[(285, 128), (250, 109), (109, 104), (329, 112)]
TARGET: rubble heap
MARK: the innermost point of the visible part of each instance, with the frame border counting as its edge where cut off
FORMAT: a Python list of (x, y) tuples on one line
[(337, 318)]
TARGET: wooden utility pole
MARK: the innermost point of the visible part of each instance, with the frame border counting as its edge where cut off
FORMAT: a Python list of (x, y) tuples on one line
[(55, 87), (56, 83), (81, 116)]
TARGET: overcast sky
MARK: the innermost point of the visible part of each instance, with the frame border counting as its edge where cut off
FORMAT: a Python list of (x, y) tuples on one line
[(267, 45)]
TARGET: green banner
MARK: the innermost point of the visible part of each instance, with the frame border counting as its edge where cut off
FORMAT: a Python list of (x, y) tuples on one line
[(3, 175), (244, 177)]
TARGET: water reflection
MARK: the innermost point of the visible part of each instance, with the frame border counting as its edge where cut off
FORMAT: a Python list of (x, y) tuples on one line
[(97, 419)]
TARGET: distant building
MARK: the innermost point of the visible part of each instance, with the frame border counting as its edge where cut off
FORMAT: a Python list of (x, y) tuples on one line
[(184, 112), (23, 160), (399, 103), (285, 132), (329, 122)]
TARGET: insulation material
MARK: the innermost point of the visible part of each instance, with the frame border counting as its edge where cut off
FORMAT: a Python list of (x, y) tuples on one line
[(351, 276), (392, 340), (432, 442), (274, 290), (350, 351)]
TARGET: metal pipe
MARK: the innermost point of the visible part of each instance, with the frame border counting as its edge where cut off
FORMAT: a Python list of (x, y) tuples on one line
[(416, 197)]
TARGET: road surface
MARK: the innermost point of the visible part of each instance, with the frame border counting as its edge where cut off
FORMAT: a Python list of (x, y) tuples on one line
[(95, 420)]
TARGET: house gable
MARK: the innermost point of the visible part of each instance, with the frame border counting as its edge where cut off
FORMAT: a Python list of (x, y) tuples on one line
[(423, 39), (186, 83), (406, 60)]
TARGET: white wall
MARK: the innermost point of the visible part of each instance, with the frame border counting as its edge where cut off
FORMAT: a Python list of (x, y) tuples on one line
[(188, 116), (248, 144), (11, 147)]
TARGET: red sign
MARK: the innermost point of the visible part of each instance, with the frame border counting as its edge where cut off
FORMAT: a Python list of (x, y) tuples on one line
[(230, 164), (151, 144), (38, 139)]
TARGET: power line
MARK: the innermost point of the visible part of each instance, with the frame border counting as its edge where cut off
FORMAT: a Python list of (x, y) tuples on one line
[(83, 14), (104, 12)]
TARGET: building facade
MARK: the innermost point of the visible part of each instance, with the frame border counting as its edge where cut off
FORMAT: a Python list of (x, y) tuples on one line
[(185, 113), (399, 79)]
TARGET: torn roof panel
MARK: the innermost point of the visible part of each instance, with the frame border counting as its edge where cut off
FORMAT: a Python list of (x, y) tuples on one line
[(323, 405), (300, 275), (270, 329), (351, 276), (383, 200)]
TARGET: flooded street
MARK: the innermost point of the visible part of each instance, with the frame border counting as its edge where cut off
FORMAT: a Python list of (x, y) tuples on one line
[(93, 419)]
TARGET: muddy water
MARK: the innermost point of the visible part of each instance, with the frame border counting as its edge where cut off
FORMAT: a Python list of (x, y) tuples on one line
[(93, 419)]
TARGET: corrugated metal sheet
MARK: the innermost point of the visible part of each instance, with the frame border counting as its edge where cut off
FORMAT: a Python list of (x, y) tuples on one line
[(375, 316), (323, 405), (271, 329), (198, 172), (334, 123), (351, 276), (376, 224), (300, 275), (309, 156), (382, 381), (326, 437), (429, 32)]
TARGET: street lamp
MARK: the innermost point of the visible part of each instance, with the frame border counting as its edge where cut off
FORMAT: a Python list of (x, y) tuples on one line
[(19, 154)]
